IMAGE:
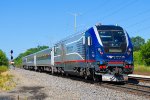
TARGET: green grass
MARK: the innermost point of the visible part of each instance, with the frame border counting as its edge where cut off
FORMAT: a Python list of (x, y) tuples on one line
[(3, 69), (139, 64), (142, 68)]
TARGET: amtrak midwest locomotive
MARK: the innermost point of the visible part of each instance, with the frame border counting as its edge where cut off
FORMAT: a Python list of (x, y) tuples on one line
[(102, 52)]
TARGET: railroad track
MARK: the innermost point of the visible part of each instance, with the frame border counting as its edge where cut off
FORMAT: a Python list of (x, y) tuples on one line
[(140, 79), (136, 89)]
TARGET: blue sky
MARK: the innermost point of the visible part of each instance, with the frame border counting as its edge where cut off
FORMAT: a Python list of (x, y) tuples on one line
[(28, 23)]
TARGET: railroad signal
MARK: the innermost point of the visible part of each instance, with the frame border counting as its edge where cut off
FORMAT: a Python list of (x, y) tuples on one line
[(11, 54), (11, 51), (11, 57)]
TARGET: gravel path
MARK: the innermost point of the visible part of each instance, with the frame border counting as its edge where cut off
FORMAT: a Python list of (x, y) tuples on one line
[(41, 86)]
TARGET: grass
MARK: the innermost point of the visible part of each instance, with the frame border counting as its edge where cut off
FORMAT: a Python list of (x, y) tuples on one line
[(139, 64), (3, 69), (142, 69), (6, 80)]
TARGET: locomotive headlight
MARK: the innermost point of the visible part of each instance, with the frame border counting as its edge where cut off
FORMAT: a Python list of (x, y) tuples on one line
[(100, 51), (129, 51)]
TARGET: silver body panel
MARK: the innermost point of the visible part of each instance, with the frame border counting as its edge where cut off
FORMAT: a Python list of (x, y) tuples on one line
[(29, 60), (41, 58), (72, 51)]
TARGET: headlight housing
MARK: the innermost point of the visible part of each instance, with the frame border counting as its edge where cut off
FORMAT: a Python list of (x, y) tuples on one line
[(129, 51), (100, 51)]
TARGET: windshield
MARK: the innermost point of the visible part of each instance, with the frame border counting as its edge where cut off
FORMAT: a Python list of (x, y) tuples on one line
[(114, 41), (115, 36)]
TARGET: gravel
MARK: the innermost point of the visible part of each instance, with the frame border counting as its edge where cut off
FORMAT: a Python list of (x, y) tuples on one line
[(41, 86)]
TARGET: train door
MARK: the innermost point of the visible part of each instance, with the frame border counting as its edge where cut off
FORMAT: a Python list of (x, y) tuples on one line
[(62, 54), (90, 56), (88, 49), (35, 60), (26, 61)]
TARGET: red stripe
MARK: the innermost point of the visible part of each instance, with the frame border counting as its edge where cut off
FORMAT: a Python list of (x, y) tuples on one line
[(90, 60), (116, 62), (72, 61), (58, 62)]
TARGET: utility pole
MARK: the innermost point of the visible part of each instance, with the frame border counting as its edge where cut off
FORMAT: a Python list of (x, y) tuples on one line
[(75, 21)]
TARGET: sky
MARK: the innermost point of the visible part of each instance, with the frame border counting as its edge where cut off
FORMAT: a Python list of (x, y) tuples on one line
[(26, 24)]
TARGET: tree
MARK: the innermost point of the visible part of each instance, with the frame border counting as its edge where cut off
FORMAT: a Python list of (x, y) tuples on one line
[(145, 51), (138, 58), (137, 42), (3, 59)]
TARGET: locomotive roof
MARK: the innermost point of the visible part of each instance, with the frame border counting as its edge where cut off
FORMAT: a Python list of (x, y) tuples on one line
[(109, 27)]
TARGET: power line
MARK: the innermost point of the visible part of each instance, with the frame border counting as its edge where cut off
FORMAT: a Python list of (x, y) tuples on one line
[(90, 11), (142, 21), (138, 14), (129, 4), (145, 28), (122, 7)]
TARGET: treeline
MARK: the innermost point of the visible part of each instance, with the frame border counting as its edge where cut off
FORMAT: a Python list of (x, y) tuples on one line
[(3, 62), (141, 51), (18, 60), (3, 59)]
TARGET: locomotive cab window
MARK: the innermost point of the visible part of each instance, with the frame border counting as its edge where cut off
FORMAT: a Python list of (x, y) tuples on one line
[(113, 39), (112, 36)]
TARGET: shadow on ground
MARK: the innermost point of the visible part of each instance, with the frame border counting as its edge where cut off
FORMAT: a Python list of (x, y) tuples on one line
[(7, 98), (28, 93), (134, 81)]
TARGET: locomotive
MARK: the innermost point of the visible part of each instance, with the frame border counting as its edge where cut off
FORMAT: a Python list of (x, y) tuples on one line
[(102, 52)]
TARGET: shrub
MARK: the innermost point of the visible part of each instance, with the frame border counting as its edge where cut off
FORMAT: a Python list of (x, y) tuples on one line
[(3, 59), (3, 69), (141, 68), (145, 51), (138, 58)]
